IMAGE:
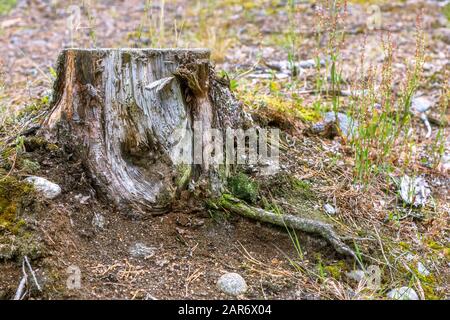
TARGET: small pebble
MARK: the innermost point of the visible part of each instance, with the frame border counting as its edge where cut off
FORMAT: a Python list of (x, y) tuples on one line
[(232, 284)]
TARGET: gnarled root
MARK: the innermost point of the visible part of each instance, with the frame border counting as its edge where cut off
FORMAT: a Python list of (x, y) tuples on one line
[(325, 230)]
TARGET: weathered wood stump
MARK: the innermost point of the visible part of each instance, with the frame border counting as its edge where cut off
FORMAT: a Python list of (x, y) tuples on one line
[(135, 118), (128, 114)]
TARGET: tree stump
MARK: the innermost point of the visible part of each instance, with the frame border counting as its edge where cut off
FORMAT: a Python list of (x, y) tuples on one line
[(129, 114), (135, 118)]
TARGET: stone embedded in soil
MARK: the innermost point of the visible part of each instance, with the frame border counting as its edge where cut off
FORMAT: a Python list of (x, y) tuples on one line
[(140, 250), (428, 66), (421, 104), (414, 191), (329, 209), (98, 221), (445, 162), (285, 67), (347, 125), (232, 284), (310, 63), (422, 269), (444, 34), (403, 293), (353, 93), (356, 275), (82, 199), (45, 187)]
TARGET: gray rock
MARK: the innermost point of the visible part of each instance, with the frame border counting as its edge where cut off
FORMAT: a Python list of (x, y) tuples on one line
[(47, 188), (421, 104), (82, 199), (329, 209), (140, 250), (356, 275), (403, 293), (7, 249), (98, 221), (347, 125), (428, 66), (444, 35), (285, 67), (414, 191), (354, 93), (445, 162), (310, 63), (232, 284), (422, 269), (410, 257)]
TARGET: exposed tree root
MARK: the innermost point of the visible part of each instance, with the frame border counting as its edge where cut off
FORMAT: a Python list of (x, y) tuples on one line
[(325, 230)]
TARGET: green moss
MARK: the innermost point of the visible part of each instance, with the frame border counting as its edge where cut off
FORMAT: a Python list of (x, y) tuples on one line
[(12, 193), (427, 282), (166, 197), (405, 245), (243, 187), (447, 253), (227, 201), (277, 110), (52, 147), (215, 210), (39, 143), (31, 246), (297, 197), (434, 245), (446, 11), (34, 108), (16, 247), (301, 186), (335, 270), (287, 186), (6, 6), (29, 166), (183, 175)]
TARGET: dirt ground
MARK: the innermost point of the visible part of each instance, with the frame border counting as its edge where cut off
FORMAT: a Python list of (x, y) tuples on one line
[(191, 250), (191, 247)]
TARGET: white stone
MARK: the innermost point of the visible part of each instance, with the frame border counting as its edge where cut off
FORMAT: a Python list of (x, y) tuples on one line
[(421, 104), (445, 162), (82, 199), (140, 250), (356, 275), (329, 209), (98, 221), (422, 269), (403, 293), (47, 188), (414, 191), (232, 284)]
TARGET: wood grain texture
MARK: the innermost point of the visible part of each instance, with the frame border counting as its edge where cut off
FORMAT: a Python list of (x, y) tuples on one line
[(120, 111)]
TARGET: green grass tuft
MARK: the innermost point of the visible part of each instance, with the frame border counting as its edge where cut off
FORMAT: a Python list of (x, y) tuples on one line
[(6, 6), (446, 11)]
